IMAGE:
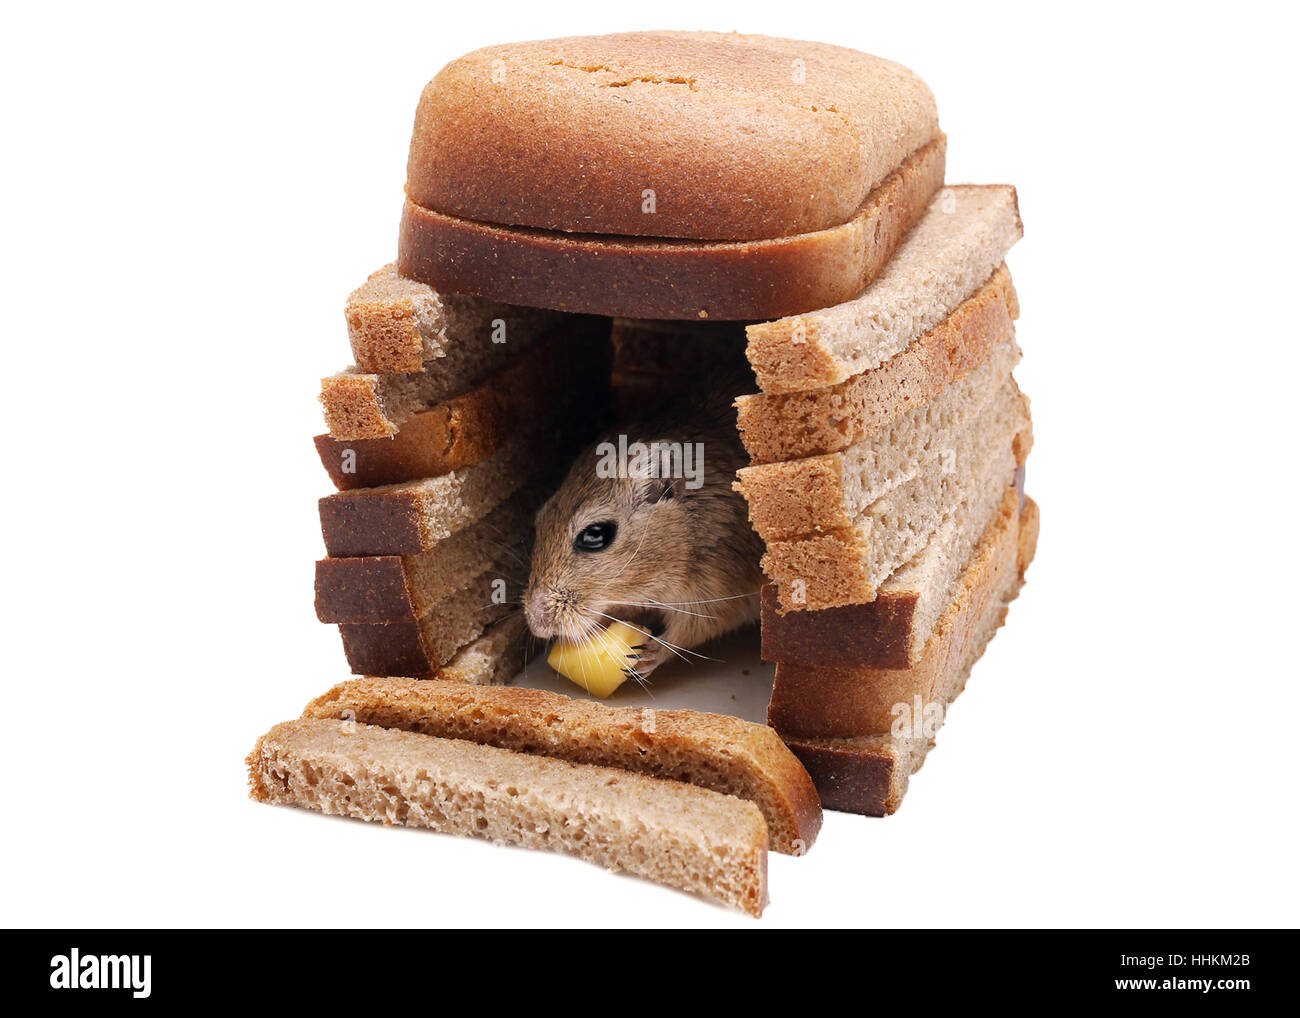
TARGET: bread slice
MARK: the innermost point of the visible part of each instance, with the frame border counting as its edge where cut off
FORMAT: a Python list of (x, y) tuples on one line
[(396, 325), (961, 239), (784, 426), (375, 589), (713, 751), (360, 404), (421, 644), (819, 493), (493, 659), (869, 774), (687, 837), (643, 277), (847, 565), (836, 702), (409, 518), (741, 137), (566, 373), (892, 630)]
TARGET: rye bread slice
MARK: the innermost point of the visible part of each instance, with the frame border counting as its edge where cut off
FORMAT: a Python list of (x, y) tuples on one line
[(740, 137), (819, 493), (564, 374), (713, 751), (785, 426), (892, 630), (687, 837), (644, 277), (962, 238), (847, 565), (870, 774), (398, 325), (818, 701)]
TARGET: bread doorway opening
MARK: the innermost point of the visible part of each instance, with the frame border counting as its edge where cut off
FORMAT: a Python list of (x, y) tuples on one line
[(668, 397), (431, 537)]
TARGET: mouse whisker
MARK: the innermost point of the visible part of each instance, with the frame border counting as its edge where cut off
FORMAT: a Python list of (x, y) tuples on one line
[(666, 607), (711, 600), (644, 535), (681, 652)]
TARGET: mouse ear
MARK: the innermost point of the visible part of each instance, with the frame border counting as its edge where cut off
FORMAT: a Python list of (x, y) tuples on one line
[(650, 490), (659, 471)]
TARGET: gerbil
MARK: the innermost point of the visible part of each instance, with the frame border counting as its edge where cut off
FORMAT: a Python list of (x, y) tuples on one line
[(674, 556)]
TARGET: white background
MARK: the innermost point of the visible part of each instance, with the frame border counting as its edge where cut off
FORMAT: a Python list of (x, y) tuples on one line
[(188, 198)]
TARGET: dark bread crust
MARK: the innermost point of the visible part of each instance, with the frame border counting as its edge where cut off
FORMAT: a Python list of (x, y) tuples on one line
[(862, 777), (458, 433), (367, 590), (403, 648), (374, 522), (851, 635), (632, 277)]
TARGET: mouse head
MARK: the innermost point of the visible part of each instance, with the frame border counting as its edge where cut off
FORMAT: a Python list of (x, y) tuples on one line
[(609, 544)]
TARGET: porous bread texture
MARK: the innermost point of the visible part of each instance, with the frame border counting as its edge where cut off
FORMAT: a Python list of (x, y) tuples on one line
[(847, 565), (493, 659), (677, 834), (714, 751), (396, 324), (818, 701), (892, 630), (421, 645), (411, 517), (394, 588), (740, 137), (818, 493), (955, 247), (784, 426), (361, 404), (869, 774), (641, 277), (930, 579), (564, 374)]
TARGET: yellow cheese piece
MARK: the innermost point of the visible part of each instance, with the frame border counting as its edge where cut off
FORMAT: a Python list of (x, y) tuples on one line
[(598, 665)]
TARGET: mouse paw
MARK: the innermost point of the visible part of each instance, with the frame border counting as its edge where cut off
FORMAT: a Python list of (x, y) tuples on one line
[(644, 659)]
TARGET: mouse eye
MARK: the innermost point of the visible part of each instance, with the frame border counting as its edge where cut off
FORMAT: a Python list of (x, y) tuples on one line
[(596, 537)]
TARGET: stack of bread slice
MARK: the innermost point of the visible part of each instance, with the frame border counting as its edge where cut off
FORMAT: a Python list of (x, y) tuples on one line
[(887, 451), (441, 439)]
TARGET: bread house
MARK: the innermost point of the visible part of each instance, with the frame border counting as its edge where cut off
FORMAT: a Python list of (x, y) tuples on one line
[(595, 225)]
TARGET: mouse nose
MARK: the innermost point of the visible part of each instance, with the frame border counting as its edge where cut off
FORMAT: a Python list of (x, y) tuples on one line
[(537, 608)]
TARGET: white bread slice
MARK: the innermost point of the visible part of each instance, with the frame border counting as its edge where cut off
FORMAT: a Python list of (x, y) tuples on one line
[(687, 837), (951, 252), (804, 496), (847, 565)]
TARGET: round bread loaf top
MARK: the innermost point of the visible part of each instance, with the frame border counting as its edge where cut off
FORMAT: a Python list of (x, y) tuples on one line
[(698, 135)]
